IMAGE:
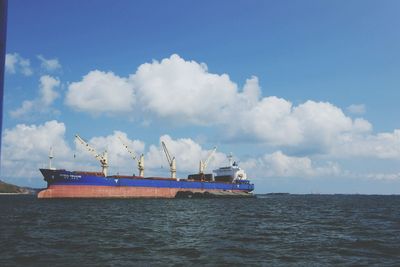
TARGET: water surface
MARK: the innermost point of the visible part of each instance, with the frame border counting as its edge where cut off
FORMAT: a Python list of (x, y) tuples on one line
[(271, 230)]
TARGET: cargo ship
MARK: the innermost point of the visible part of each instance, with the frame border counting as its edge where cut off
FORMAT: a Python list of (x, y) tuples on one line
[(229, 181)]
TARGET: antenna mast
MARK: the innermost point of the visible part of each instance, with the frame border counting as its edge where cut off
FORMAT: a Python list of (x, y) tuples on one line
[(51, 156)]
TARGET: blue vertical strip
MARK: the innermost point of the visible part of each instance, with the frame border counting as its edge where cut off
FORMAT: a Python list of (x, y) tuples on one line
[(3, 34)]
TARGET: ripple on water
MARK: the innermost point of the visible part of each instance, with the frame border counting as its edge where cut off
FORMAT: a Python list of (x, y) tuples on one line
[(276, 230)]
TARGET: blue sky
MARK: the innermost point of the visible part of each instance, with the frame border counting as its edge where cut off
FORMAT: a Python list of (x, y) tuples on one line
[(327, 76)]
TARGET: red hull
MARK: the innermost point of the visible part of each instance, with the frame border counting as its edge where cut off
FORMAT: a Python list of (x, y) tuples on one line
[(83, 191)]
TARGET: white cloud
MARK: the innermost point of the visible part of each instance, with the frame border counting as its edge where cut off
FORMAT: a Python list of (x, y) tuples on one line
[(184, 90), (381, 145), (15, 63), (26, 107), (41, 104), (47, 92), (179, 90), (251, 93), (49, 64), (269, 120), (278, 164), (101, 92), (25, 147), (25, 67), (383, 176), (357, 109), (11, 62), (311, 126)]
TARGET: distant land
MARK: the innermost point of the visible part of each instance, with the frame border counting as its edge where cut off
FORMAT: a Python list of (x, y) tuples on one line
[(6, 188)]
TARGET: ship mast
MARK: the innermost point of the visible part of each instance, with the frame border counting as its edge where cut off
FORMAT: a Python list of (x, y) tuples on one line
[(230, 157), (171, 160), (140, 161), (51, 156), (103, 159)]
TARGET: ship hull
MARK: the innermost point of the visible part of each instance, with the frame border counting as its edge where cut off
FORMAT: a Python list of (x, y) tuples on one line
[(66, 184), (68, 191)]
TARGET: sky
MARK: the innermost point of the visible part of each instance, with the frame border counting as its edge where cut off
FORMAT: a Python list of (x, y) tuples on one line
[(304, 94)]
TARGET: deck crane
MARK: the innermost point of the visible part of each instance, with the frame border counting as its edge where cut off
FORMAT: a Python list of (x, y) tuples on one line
[(140, 161), (171, 161), (203, 164), (102, 158)]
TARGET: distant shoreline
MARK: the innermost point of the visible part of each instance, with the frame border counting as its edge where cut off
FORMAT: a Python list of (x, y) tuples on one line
[(11, 189)]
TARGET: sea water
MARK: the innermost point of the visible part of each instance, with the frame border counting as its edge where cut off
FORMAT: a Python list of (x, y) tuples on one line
[(268, 230)]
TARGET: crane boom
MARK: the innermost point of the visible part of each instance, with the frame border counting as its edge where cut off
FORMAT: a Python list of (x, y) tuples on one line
[(102, 158), (140, 161), (89, 148), (171, 160), (133, 155), (209, 157), (204, 164)]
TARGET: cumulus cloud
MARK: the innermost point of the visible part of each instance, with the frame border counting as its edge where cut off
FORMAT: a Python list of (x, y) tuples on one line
[(47, 89), (278, 164), (251, 93), (357, 109), (101, 93), (41, 104), (11, 62), (383, 176), (187, 93), (15, 63), (312, 126), (29, 141), (184, 90), (49, 64), (26, 107), (381, 145), (25, 147)]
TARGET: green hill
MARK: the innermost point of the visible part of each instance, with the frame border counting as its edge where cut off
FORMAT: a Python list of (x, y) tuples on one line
[(10, 188)]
